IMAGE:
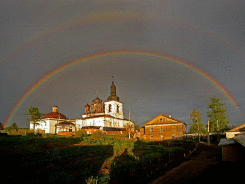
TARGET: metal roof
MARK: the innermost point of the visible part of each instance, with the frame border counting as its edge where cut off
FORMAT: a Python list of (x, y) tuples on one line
[(224, 142), (240, 139)]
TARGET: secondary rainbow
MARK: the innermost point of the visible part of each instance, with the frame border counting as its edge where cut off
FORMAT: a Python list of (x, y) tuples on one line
[(122, 52)]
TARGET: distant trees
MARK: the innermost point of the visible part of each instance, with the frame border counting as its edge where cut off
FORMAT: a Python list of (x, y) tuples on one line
[(11, 128), (197, 125), (35, 116), (129, 129), (1, 126), (217, 115)]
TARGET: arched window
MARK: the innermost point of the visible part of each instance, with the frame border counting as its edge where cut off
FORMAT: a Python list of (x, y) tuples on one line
[(118, 108), (109, 107)]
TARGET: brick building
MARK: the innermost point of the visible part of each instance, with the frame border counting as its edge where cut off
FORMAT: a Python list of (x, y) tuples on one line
[(162, 128)]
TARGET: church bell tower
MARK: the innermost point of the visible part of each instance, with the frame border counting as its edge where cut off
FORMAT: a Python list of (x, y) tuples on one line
[(113, 107)]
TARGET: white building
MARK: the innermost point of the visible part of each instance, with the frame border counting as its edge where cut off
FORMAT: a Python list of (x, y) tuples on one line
[(106, 116), (47, 123)]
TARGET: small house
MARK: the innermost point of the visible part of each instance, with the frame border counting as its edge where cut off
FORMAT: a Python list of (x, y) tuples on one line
[(233, 149), (235, 131), (162, 128)]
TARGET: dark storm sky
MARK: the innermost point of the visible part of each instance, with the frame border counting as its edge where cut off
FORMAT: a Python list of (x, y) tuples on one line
[(40, 36)]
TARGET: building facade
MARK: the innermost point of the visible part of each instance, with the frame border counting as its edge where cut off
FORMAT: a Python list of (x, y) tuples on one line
[(47, 123), (235, 131), (163, 128), (106, 116)]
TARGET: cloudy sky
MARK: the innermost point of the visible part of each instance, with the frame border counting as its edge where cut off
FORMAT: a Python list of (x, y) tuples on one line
[(39, 37)]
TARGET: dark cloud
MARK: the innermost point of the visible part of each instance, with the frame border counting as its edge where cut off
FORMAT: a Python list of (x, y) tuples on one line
[(39, 36)]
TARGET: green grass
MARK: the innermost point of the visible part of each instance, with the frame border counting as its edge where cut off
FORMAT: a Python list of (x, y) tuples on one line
[(64, 160)]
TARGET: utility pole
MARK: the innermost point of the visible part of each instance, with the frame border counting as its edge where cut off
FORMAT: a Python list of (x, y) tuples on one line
[(198, 130), (129, 115), (208, 134)]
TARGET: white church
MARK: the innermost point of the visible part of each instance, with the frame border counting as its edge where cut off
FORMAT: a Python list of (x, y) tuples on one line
[(105, 116)]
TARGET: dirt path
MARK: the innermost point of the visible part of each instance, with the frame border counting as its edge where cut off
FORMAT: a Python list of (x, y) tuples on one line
[(192, 170)]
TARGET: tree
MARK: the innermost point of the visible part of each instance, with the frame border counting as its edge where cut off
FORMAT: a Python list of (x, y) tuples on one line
[(12, 127), (196, 126), (1, 126), (35, 116), (129, 129), (217, 113), (136, 127)]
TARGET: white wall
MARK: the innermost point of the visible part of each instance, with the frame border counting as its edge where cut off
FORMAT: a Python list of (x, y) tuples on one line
[(114, 112)]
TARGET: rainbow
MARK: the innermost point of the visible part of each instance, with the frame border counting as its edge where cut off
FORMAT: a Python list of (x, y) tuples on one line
[(112, 53)]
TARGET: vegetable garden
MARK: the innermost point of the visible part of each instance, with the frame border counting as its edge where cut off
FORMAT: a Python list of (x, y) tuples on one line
[(88, 159)]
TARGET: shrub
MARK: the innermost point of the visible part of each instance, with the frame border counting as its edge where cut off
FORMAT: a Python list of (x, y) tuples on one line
[(98, 135), (47, 135), (81, 133)]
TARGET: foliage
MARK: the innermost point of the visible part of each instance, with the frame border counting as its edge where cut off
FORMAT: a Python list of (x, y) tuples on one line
[(12, 128), (136, 127), (47, 135), (34, 113), (54, 155), (97, 135), (129, 129), (1, 126), (35, 116), (81, 133), (197, 125), (217, 115)]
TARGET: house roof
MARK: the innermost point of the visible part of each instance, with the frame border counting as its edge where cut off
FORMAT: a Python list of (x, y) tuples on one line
[(224, 142), (237, 139), (240, 139), (240, 128), (165, 120)]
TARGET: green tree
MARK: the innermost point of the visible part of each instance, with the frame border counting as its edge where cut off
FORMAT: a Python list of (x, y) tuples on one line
[(136, 127), (14, 126), (35, 116), (1, 126), (197, 125), (217, 115)]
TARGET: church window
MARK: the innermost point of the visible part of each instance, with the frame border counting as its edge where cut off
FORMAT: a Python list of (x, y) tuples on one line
[(118, 108), (109, 107), (161, 120)]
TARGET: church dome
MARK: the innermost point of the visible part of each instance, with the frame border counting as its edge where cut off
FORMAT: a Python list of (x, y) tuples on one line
[(87, 106), (113, 96), (55, 114), (97, 100), (97, 105)]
